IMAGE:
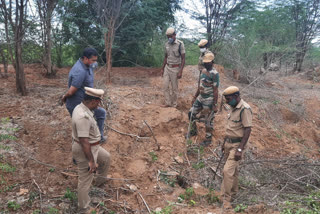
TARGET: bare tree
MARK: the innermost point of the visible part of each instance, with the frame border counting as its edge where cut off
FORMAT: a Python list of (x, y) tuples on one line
[(15, 14), (306, 16), (45, 10), (6, 13), (109, 12), (219, 14)]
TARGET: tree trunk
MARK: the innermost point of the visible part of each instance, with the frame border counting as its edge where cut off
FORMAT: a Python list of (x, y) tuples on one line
[(5, 63), (18, 35), (48, 46), (265, 60), (109, 37), (20, 78)]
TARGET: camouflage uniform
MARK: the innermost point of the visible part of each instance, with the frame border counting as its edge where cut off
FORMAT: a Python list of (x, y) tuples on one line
[(204, 102)]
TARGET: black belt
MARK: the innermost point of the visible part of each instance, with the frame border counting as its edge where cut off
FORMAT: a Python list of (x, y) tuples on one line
[(173, 65), (234, 139)]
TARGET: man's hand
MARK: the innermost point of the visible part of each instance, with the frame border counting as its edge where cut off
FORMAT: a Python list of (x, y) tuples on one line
[(162, 71), (63, 100), (179, 75), (193, 100), (237, 155), (93, 167)]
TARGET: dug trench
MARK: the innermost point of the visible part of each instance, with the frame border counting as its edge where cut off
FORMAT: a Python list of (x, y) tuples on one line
[(153, 165)]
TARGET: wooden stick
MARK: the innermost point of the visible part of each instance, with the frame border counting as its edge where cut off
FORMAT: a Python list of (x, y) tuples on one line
[(153, 135), (40, 191), (187, 158), (131, 135), (145, 203)]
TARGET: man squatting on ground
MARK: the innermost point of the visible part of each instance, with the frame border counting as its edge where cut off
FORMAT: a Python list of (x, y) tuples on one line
[(237, 134), (86, 149), (81, 75), (173, 63), (205, 100)]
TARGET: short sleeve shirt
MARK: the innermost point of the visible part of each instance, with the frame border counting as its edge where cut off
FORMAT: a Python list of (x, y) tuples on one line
[(208, 80), (239, 118), (80, 76), (84, 124), (200, 63), (172, 51)]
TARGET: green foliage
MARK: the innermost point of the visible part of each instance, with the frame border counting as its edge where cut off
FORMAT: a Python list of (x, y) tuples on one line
[(72, 196), (198, 165), (52, 169), (188, 194), (240, 208), (7, 148), (166, 210), (93, 212), (276, 102), (32, 197), (111, 212), (167, 179), (37, 211), (53, 211), (13, 205), (4, 137), (211, 197), (153, 156), (7, 167), (192, 203), (306, 205)]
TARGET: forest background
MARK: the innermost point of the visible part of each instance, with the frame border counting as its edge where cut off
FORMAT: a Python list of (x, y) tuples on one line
[(246, 36)]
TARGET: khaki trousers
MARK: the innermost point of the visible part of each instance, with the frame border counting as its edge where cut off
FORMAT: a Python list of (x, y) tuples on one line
[(170, 79), (229, 186), (102, 158)]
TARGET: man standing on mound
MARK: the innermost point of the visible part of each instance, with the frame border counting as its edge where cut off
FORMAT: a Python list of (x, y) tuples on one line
[(237, 134), (81, 75), (86, 149), (172, 67), (205, 99)]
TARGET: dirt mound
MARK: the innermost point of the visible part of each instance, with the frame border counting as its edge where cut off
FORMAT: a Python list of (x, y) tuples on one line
[(136, 125)]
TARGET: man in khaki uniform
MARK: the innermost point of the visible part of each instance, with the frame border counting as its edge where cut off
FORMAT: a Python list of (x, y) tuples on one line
[(86, 151), (203, 45), (172, 67), (237, 135)]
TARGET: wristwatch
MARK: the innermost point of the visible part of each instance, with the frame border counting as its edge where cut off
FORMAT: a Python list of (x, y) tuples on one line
[(239, 150)]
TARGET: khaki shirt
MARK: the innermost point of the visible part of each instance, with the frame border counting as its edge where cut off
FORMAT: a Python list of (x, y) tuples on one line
[(84, 124), (236, 124), (172, 51), (200, 63)]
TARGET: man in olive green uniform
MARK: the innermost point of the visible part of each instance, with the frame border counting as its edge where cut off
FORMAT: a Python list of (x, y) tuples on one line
[(237, 134), (172, 67), (205, 99), (86, 150)]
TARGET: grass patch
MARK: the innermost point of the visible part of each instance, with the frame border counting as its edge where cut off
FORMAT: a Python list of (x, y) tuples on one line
[(72, 196), (167, 179), (5, 167), (153, 156)]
